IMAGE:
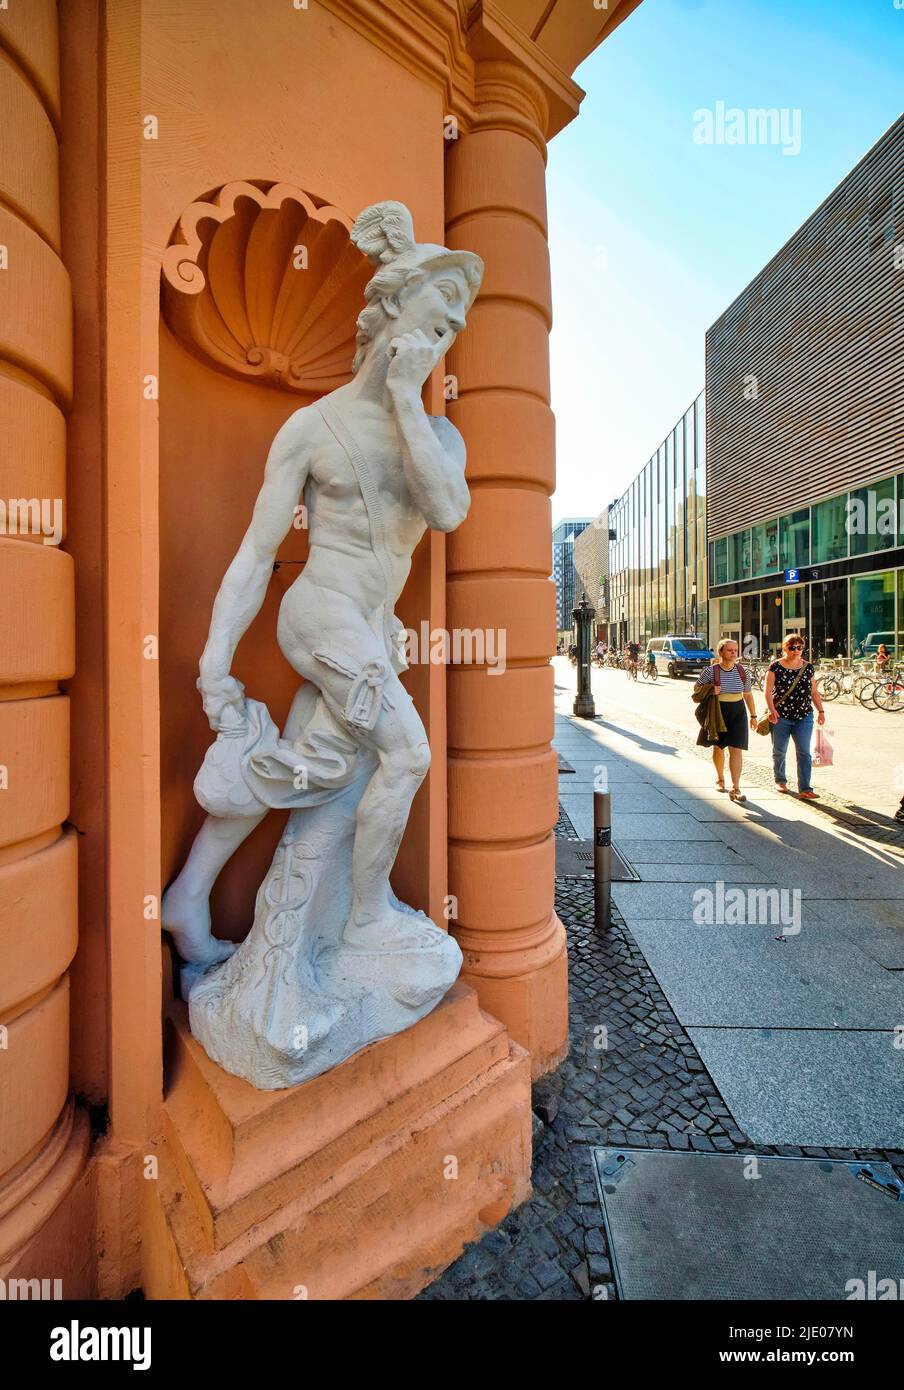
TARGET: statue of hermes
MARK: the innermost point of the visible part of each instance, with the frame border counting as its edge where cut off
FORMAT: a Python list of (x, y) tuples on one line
[(374, 470)]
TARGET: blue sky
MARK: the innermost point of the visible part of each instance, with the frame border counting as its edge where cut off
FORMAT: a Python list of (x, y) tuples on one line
[(653, 234)]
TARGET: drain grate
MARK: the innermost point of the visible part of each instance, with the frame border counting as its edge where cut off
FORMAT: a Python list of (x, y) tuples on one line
[(574, 859), (723, 1226)]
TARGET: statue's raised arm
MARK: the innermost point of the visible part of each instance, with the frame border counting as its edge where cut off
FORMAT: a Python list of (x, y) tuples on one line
[(244, 584)]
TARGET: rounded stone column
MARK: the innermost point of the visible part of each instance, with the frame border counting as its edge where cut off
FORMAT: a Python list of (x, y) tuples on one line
[(502, 771), (43, 1137)]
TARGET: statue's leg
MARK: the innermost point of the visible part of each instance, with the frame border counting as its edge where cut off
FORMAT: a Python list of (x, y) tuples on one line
[(402, 761), (332, 656), (401, 743), (185, 910)]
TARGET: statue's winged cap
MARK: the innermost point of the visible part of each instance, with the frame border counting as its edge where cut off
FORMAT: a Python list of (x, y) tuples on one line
[(384, 233)]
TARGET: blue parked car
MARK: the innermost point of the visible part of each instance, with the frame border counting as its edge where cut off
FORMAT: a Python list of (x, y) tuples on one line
[(679, 655)]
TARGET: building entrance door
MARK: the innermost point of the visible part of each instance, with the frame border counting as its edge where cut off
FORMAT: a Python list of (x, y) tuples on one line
[(794, 612), (830, 626), (772, 624), (750, 627)]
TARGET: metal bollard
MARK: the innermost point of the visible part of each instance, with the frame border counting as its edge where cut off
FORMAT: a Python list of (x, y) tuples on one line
[(602, 859), (583, 617)]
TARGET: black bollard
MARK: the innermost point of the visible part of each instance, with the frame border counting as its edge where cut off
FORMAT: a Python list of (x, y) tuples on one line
[(583, 617), (602, 859)]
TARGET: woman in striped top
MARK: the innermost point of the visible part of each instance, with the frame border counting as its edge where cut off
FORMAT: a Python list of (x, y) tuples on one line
[(734, 693)]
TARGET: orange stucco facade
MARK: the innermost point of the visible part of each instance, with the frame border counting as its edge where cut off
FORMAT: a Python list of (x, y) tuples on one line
[(127, 1159)]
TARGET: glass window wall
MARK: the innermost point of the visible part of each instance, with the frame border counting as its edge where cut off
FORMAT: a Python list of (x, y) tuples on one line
[(795, 539), (829, 540), (738, 557), (872, 524), (873, 612), (764, 549), (796, 602), (660, 549)]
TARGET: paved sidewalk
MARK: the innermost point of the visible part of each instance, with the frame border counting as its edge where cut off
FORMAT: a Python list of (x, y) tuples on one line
[(868, 771), (792, 995), (647, 1089)]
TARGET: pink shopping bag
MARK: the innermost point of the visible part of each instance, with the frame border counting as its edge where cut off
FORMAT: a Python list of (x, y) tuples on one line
[(823, 748)]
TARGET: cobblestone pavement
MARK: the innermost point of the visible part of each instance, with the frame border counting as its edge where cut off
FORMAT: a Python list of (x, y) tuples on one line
[(646, 1087)]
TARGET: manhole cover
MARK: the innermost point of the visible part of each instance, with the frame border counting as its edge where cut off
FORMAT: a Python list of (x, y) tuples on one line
[(722, 1226), (574, 859)]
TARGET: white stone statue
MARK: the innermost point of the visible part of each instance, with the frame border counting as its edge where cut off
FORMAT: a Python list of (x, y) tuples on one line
[(333, 960)]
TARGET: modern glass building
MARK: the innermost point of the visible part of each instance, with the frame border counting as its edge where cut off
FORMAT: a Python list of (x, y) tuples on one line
[(657, 560), (563, 571), (805, 401)]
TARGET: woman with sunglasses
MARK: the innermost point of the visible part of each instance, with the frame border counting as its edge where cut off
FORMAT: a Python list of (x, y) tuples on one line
[(790, 696)]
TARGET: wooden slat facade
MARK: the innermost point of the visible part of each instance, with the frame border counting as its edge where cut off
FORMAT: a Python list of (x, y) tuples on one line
[(821, 328)]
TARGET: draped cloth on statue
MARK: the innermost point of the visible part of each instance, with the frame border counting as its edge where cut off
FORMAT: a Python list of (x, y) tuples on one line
[(250, 768)]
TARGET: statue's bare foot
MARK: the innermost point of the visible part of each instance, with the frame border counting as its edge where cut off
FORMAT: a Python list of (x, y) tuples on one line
[(395, 929), (187, 919)]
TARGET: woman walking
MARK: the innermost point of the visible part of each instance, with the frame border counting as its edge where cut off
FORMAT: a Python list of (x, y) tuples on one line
[(731, 685), (790, 697)]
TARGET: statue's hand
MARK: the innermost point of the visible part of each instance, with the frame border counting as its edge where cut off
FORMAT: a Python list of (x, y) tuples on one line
[(224, 702), (413, 359)]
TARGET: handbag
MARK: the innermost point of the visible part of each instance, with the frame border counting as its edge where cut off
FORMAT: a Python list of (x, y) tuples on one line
[(765, 724), (823, 748)]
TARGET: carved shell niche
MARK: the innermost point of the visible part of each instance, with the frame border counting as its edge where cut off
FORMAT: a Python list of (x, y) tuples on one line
[(238, 292)]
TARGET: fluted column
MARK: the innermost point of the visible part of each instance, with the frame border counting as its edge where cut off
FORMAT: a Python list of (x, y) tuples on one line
[(42, 1136), (502, 771)]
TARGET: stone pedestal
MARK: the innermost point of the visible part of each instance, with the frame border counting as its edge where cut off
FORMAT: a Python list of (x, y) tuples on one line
[(362, 1183)]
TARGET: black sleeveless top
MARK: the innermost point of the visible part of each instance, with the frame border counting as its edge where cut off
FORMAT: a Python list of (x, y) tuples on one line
[(800, 703)]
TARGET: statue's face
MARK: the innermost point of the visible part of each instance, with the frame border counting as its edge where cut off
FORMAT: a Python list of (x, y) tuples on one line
[(436, 305)]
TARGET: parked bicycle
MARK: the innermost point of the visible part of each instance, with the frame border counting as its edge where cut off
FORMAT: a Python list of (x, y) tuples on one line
[(885, 693), (869, 688)]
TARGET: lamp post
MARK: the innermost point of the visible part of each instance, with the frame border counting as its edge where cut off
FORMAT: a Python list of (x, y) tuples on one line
[(583, 617), (694, 607)]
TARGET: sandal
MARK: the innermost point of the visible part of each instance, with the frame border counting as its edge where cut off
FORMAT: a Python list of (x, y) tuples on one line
[(720, 784), (736, 795)]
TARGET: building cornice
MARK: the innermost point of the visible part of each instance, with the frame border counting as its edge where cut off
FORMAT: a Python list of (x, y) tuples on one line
[(460, 46), (426, 36)]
